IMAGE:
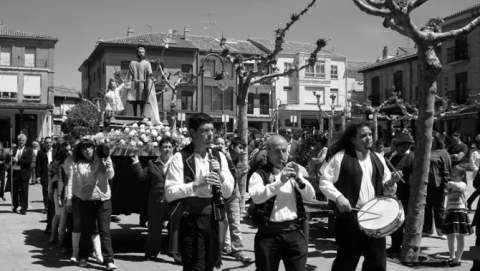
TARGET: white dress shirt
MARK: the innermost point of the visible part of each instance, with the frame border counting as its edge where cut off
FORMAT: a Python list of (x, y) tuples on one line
[(285, 206), (331, 172), (176, 188), (49, 156), (18, 155)]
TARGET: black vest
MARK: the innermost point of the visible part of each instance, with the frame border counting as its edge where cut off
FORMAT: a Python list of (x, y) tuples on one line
[(350, 177), (262, 212), (194, 205)]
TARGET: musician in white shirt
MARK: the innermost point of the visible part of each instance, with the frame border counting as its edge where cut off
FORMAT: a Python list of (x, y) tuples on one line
[(353, 176), (192, 176), (278, 191)]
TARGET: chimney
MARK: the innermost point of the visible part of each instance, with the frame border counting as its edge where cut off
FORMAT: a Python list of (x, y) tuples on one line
[(185, 33), (385, 52), (130, 31)]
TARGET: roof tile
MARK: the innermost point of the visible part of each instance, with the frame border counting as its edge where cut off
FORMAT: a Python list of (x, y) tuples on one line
[(7, 32)]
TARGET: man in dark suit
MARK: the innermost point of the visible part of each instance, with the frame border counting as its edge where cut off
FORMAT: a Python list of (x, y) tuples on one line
[(22, 157), (44, 158)]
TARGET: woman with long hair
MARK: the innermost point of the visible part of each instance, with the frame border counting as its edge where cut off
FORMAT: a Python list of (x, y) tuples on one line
[(88, 186)]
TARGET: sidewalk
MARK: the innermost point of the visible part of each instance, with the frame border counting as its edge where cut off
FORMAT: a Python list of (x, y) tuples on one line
[(24, 246)]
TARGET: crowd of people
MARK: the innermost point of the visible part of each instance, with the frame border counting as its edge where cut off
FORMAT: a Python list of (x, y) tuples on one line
[(202, 190)]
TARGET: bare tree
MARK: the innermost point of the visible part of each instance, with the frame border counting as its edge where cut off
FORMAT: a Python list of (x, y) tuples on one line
[(267, 70), (396, 16)]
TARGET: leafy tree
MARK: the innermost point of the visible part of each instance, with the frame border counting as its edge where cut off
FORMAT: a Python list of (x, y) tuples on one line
[(83, 119)]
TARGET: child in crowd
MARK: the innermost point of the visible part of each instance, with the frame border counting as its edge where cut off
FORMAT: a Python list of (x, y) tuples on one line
[(457, 224)]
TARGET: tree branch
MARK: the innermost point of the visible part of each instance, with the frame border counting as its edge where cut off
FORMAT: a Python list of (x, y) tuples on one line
[(280, 33), (441, 37), (363, 6), (389, 23), (413, 4), (279, 74), (375, 4)]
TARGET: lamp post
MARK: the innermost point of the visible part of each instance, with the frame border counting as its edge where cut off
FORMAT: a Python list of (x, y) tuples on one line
[(318, 95), (278, 103), (217, 77), (332, 115)]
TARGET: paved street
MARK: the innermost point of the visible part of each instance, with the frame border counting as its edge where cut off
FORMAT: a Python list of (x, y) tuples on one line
[(23, 245)]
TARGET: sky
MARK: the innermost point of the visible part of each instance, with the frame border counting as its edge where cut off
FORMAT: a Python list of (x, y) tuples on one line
[(78, 24)]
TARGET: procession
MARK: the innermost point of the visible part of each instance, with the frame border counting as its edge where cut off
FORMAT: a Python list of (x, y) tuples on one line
[(181, 151)]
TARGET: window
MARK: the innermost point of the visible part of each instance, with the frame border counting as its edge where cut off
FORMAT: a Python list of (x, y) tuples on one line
[(5, 56), (450, 54), (29, 57), (398, 82), (316, 71), (461, 48), (264, 103), (217, 99), (334, 72), (31, 87), (461, 90), (334, 92), (249, 67), (287, 88), (187, 100), (228, 99), (445, 84), (375, 95), (209, 68), (8, 86), (250, 100)]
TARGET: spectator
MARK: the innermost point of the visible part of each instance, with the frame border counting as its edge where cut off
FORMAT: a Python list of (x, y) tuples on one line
[(35, 148), (154, 174), (22, 157), (438, 177), (457, 150), (88, 185), (43, 159), (3, 168), (233, 240)]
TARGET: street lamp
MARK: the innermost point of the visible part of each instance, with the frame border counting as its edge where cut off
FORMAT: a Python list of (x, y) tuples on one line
[(217, 76), (332, 115), (318, 95), (277, 115)]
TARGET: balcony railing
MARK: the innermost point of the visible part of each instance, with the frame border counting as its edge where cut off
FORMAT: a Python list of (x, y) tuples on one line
[(8, 96)]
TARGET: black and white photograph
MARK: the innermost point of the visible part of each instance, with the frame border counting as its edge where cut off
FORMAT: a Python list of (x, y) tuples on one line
[(225, 135)]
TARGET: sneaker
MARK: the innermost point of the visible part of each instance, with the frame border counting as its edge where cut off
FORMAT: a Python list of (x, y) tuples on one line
[(73, 259), (83, 263), (443, 237), (111, 266), (240, 256)]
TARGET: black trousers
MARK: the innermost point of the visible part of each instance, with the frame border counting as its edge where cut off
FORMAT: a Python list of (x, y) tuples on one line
[(199, 242), (2, 183), (290, 246), (156, 216), (353, 243), (91, 212), (20, 191), (44, 183), (434, 209)]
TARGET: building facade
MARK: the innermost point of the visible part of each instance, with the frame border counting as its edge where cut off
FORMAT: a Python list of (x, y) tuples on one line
[(299, 96), (26, 84), (460, 78), (64, 99)]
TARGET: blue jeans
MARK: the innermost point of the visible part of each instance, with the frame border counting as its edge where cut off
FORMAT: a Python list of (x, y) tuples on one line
[(233, 238), (91, 212)]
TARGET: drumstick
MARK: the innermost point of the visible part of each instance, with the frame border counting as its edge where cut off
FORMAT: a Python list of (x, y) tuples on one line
[(367, 212), (394, 169)]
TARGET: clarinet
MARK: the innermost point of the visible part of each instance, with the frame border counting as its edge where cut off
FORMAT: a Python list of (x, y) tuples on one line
[(218, 202)]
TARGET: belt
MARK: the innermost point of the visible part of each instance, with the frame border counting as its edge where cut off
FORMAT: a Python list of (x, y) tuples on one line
[(278, 227)]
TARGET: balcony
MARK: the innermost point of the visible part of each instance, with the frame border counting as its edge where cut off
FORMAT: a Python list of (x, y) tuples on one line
[(8, 96)]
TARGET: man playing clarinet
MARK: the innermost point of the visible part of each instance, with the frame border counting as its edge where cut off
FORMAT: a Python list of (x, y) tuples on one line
[(278, 190), (353, 176), (199, 177)]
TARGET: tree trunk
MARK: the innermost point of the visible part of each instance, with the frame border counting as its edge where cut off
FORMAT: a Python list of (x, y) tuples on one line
[(428, 69), (375, 125), (243, 133)]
